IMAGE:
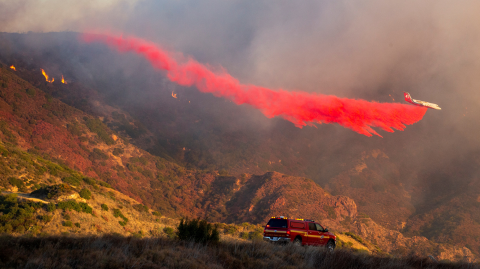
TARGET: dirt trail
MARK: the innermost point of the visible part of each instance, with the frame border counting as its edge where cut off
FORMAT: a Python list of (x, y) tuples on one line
[(25, 196)]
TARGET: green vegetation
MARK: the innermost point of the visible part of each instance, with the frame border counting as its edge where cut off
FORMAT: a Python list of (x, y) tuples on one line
[(17, 217), (67, 223), (85, 194), (117, 213), (356, 237), (73, 205), (117, 151), (53, 191), (104, 207), (97, 126), (31, 92), (141, 208), (4, 128), (169, 232), (199, 231), (98, 154), (75, 128), (17, 183)]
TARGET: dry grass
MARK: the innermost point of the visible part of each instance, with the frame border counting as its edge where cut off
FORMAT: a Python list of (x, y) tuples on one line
[(129, 252)]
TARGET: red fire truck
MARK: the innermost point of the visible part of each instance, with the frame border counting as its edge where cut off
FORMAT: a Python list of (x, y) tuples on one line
[(298, 231)]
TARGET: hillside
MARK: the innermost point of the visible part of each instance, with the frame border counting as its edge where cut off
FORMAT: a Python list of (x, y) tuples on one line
[(48, 143), (390, 179)]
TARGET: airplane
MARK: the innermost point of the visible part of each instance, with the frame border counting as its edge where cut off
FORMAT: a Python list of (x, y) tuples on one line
[(409, 99)]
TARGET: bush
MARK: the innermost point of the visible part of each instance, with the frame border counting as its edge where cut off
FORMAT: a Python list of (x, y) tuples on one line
[(96, 126), (117, 213), (104, 184), (117, 151), (53, 191), (46, 218), (73, 205), (51, 207), (98, 154), (67, 223), (72, 181), (77, 225), (141, 208), (86, 208), (104, 207), (156, 213), (85, 194), (244, 235), (197, 230), (31, 92), (169, 232), (17, 183)]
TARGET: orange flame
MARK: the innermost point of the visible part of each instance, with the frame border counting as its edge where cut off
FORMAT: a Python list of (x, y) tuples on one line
[(63, 80), (13, 67), (46, 76), (174, 95)]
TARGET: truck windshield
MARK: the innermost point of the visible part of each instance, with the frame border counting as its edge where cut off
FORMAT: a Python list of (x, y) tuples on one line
[(277, 223)]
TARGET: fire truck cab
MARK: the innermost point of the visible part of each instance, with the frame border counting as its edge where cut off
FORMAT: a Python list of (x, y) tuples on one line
[(298, 231)]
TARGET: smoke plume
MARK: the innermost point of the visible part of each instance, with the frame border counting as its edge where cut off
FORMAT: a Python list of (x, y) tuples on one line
[(298, 107)]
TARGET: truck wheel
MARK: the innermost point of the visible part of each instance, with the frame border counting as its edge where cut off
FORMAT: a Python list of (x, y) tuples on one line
[(330, 246), (297, 241)]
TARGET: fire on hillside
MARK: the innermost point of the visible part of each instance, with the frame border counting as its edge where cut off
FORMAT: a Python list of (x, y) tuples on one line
[(46, 77), (13, 67), (63, 80)]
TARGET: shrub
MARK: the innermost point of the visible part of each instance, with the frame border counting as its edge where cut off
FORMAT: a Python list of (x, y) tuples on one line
[(98, 154), (169, 232), (117, 213), (67, 223), (73, 205), (74, 129), (16, 182), (104, 184), (77, 224), (69, 204), (51, 207), (31, 92), (244, 235), (86, 208), (96, 126), (104, 207), (72, 180), (85, 194), (140, 208), (117, 151), (156, 213), (53, 191), (46, 218), (197, 230)]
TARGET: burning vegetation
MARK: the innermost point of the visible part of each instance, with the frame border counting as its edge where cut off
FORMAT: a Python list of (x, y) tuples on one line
[(13, 67), (46, 77)]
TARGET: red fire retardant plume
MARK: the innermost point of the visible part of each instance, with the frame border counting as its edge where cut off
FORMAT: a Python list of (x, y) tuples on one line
[(301, 108)]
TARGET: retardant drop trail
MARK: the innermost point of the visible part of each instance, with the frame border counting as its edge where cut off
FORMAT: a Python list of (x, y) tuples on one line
[(301, 108)]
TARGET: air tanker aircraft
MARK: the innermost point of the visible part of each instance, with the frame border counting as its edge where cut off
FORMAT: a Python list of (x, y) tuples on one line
[(409, 99)]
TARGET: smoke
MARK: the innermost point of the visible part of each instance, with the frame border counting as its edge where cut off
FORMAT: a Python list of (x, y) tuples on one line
[(371, 50), (298, 107)]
